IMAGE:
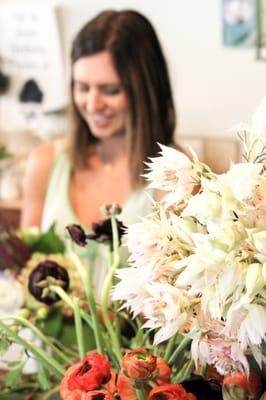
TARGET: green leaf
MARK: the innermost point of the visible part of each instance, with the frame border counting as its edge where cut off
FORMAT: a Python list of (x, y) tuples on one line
[(43, 378), (13, 377), (52, 324), (4, 345), (51, 395), (47, 242)]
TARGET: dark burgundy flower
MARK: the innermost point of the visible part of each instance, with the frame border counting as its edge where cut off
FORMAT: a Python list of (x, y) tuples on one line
[(102, 231), (138, 363), (77, 234), (90, 374), (14, 253), (39, 281)]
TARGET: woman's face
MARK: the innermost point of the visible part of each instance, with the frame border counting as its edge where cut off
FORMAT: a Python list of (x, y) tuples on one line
[(99, 96)]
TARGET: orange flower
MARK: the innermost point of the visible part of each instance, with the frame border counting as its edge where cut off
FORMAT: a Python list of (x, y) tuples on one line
[(168, 392), (190, 396), (122, 385), (246, 385), (138, 363), (164, 372), (90, 374), (99, 395)]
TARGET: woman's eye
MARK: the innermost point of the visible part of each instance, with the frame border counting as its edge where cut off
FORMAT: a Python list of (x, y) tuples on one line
[(81, 88), (111, 90)]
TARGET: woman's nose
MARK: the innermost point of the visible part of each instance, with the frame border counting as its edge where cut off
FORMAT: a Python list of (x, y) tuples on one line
[(95, 101)]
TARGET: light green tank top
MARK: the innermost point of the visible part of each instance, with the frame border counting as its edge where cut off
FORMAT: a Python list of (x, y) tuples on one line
[(58, 209)]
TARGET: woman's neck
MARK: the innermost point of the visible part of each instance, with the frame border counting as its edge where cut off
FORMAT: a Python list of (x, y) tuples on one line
[(111, 149)]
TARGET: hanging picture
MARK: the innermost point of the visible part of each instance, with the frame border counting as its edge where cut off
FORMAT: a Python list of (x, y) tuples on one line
[(31, 55), (239, 22)]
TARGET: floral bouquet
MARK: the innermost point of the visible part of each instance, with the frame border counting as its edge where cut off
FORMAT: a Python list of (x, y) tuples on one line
[(186, 319)]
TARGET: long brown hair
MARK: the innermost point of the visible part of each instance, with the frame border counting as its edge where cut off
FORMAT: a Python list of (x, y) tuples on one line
[(138, 58)]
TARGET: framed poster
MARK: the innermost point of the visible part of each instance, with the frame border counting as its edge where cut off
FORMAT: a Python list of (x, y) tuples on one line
[(239, 22)]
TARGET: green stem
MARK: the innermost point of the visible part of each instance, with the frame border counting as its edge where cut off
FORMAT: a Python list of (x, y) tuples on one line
[(184, 372), (47, 361), (185, 341), (39, 334), (140, 394), (78, 327), (86, 279), (113, 262), (169, 348), (203, 370), (105, 311)]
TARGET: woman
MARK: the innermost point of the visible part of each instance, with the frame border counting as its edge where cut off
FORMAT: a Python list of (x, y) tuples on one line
[(121, 107)]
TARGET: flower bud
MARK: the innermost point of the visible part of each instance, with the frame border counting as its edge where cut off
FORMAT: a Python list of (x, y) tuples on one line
[(110, 209), (138, 364), (42, 313), (77, 234), (24, 313)]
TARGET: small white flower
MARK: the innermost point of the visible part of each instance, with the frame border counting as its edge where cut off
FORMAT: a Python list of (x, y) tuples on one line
[(11, 295), (172, 172), (167, 308)]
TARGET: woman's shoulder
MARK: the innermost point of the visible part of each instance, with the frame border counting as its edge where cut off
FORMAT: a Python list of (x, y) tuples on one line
[(43, 156)]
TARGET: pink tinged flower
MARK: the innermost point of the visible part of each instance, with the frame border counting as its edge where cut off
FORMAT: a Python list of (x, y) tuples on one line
[(167, 309), (172, 172), (138, 364)]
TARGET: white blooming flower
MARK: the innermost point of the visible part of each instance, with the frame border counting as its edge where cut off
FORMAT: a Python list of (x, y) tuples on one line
[(211, 346), (131, 288), (167, 308), (172, 172), (11, 295)]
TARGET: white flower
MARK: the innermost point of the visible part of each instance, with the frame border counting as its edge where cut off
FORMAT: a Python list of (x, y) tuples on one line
[(11, 295), (131, 289), (247, 322), (211, 346), (172, 172), (167, 308)]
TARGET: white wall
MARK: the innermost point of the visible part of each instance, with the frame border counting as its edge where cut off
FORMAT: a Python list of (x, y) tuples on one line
[(214, 86)]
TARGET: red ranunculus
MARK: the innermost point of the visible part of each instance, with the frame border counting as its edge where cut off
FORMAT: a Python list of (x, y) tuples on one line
[(190, 396), (242, 384), (168, 392), (65, 393), (138, 363), (122, 385), (90, 374), (99, 395), (163, 372)]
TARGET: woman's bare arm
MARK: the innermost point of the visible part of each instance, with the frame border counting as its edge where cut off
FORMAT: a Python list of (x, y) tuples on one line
[(35, 184)]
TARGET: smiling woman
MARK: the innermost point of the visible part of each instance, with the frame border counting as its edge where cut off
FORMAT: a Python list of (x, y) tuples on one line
[(121, 107)]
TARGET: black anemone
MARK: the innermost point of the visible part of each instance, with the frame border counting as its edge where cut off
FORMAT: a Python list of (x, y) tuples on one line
[(77, 234), (39, 281), (102, 231)]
